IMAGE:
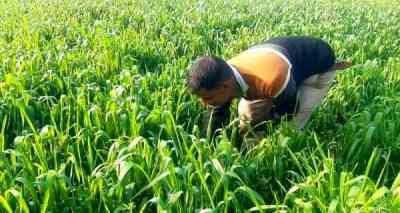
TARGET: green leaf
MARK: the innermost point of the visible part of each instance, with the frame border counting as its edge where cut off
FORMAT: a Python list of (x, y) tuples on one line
[(124, 167), (45, 204), (379, 194), (218, 167), (153, 182), (333, 206), (173, 197), (5, 204)]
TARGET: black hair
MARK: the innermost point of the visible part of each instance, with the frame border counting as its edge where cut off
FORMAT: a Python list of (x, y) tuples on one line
[(207, 72)]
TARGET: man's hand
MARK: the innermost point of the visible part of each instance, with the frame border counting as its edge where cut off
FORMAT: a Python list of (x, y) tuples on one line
[(252, 113)]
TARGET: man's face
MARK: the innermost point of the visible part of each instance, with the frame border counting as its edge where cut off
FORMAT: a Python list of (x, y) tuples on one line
[(218, 96)]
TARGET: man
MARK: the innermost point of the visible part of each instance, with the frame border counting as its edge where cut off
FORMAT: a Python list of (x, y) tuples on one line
[(283, 76)]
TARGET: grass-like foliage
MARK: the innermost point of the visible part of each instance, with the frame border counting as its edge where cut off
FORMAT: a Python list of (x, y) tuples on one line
[(95, 116)]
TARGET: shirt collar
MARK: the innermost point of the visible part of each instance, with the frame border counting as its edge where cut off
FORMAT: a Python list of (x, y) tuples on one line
[(239, 79)]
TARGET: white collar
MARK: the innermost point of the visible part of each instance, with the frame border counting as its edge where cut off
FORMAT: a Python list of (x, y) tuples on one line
[(239, 79)]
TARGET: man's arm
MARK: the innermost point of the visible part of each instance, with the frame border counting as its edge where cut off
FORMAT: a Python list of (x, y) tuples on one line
[(252, 113)]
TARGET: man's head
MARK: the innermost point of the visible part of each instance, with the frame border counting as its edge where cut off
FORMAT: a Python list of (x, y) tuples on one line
[(212, 80)]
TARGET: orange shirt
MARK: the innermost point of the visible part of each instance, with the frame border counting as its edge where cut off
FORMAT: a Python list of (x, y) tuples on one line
[(265, 71)]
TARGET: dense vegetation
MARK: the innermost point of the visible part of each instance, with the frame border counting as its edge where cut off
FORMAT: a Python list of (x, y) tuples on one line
[(95, 116)]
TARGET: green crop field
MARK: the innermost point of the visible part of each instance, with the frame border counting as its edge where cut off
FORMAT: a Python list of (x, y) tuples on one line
[(95, 115)]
